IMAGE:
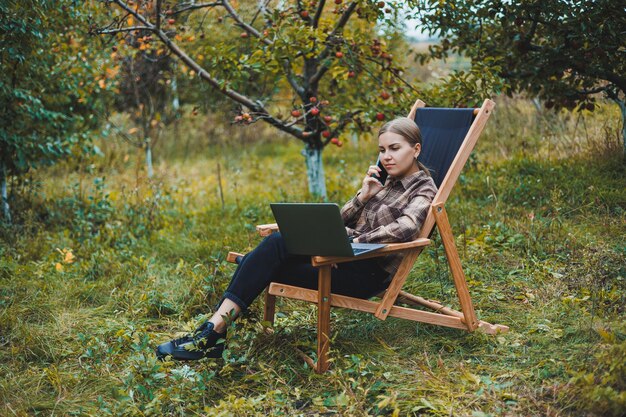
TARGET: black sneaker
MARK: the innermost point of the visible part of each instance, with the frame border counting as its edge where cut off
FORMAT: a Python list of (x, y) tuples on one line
[(204, 342)]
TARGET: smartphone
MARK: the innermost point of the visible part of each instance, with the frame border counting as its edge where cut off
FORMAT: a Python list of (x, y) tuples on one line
[(382, 175)]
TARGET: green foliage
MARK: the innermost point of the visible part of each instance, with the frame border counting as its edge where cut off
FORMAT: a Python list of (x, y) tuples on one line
[(91, 217), (46, 85), (561, 51), (467, 88), (602, 388)]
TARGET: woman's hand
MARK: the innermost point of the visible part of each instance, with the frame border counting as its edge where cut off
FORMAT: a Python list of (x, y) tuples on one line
[(371, 186)]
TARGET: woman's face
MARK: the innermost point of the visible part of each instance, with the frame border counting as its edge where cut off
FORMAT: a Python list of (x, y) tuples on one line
[(397, 155)]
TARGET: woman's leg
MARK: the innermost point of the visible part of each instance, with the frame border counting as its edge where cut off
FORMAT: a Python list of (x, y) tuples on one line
[(227, 308), (254, 273), (268, 262), (361, 279)]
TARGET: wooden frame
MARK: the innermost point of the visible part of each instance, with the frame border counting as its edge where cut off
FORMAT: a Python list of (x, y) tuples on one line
[(443, 316)]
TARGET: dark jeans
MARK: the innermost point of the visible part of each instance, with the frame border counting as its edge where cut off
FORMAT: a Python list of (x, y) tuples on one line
[(270, 262)]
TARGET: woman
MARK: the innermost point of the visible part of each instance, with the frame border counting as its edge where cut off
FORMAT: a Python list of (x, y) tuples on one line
[(390, 213)]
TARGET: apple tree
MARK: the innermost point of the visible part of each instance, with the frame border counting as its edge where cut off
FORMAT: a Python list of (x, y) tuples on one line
[(313, 69), (567, 53), (146, 92)]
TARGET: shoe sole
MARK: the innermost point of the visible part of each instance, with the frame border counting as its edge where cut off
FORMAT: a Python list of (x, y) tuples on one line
[(215, 353)]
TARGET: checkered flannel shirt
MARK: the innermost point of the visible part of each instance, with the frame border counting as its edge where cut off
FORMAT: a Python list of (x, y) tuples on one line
[(395, 214)]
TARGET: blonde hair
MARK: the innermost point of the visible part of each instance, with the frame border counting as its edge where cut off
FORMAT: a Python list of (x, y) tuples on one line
[(409, 130)]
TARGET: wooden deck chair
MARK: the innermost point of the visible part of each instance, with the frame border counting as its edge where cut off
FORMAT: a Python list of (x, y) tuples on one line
[(449, 136)]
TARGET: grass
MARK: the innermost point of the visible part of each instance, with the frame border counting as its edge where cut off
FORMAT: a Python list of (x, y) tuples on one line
[(104, 264)]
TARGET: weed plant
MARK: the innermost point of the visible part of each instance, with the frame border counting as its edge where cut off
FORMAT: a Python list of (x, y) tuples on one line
[(103, 264)]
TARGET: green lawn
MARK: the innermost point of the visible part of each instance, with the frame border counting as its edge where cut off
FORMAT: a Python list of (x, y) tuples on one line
[(103, 264)]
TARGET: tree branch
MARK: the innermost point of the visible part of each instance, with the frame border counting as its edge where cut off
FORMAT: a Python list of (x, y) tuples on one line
[(194, 6), (244, 25), (326, 52), (120, 30), (318, 13), (620, 82), (158, 14), (292, 80), (592, 91), (262, 6)]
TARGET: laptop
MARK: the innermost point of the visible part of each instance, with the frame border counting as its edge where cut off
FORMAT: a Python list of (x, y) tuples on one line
[(317, 229)]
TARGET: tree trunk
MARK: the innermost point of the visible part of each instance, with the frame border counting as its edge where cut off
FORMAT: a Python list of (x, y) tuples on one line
[(6, 212), (622, 107), (175, 99), (315, 171), (149, 158)]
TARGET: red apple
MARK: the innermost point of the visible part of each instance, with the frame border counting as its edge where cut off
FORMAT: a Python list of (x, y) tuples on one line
[(385, 95), (380, 116), (295, 113), (315, 111), (339, 54), (326, 133), (244, 35), (327, 119), (313, 99), (304, 14), (334, 141), (171, 21), (351, 74)]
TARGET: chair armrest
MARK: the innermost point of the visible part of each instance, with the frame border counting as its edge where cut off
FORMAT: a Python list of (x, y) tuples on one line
[(267, 229), (391, 248)]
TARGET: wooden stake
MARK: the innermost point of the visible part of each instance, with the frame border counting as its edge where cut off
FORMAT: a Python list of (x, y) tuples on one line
[(219, 184)]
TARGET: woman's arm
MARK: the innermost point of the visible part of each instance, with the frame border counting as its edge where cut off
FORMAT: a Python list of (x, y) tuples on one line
[(371, 186), (351, 211), (405, 227)]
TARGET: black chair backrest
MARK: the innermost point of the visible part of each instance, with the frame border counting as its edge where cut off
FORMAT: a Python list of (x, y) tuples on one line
[(443, 131)]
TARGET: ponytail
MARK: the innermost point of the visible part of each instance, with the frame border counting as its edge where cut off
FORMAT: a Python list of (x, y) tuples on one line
[(422, 167)]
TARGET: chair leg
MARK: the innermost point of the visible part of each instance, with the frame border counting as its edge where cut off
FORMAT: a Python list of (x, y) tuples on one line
[(441, 218), (323, 319), (270, 307)]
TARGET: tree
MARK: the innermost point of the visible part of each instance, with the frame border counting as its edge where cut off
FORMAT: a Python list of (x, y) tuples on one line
[(47, 87), (145, 91), (310, 69), (566, 52)]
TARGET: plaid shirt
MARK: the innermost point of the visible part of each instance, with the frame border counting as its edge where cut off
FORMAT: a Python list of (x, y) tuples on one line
[(393, 215)]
